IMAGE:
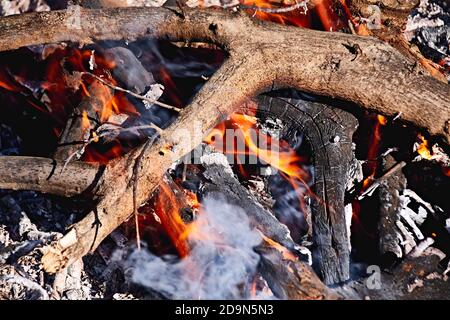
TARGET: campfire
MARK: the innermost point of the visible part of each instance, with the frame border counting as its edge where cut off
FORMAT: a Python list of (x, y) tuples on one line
[(251, 149)]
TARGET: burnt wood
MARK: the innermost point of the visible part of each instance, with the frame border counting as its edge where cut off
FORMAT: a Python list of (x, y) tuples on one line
[(261, 54), (329, 133)]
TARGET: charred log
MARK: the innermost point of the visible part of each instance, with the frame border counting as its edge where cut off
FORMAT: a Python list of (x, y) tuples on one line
[(329, 132)]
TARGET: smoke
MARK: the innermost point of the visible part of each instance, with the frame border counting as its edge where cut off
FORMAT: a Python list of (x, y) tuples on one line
[(219, 265)]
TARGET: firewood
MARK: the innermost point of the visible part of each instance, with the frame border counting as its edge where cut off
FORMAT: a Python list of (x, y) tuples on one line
[(291, 279), (329, 132), (287, 276), (325, 63), (389, 194), (47, 175), (221, 182), (77, 130)]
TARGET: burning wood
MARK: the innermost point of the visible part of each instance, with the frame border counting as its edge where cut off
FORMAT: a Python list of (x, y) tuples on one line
[(107, 108)]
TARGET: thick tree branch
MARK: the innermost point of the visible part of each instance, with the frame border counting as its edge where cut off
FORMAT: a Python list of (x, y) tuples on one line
[(359, 69), (224, 93)]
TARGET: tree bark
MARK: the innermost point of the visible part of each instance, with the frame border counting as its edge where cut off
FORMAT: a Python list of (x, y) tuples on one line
[(47, 175), (359, 69)]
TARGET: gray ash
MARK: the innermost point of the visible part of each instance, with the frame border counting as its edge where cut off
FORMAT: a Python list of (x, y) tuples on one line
[(429, 28)]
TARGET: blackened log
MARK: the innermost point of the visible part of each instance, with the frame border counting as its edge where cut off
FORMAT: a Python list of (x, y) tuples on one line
[(329, 133), (390, 205)]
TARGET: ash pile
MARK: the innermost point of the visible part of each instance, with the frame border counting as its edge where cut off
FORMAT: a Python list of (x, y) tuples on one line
[(429, 28)]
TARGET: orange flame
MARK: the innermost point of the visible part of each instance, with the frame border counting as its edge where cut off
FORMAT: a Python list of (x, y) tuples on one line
[(374, 149), (7, 84), (295, 17), (170, 218), (278, 153), (446, 171), (423, 149), (85, 123)]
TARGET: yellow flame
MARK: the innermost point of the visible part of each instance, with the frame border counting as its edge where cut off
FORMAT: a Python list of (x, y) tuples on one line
[(424, 149), (85, 123), (382, 119)]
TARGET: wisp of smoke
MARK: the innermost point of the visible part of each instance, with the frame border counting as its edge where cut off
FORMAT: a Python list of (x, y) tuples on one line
[(220, 263)]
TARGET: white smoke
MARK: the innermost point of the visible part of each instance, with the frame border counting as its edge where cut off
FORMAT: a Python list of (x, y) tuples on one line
[(219, 265)]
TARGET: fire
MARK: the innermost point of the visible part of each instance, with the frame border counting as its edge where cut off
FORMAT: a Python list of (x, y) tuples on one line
[(85, 123), (276, 153), (6, 83), (170, 218), (446, 171), (63, 87), (333, 15), (248, 141), (297, 17), (423, 149), (374, 150)]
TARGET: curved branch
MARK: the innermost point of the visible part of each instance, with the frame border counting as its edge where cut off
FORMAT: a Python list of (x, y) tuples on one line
[(359, 69), (224, 93), (45, 175)]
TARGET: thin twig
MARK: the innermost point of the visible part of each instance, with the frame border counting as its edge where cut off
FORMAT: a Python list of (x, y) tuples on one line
[(376, 182), (142, 127), (137, 164), (383, 155), (161, 104), (296, 6), (102, 134)]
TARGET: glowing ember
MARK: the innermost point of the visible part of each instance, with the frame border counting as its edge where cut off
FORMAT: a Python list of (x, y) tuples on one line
[(85, 123), (446, 171)]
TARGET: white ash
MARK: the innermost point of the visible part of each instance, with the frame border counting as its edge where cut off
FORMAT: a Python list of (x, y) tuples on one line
[(10, 7), (412, 195), (417, 283), (421, 247), (272, 127), (154, 93), (408, 242), (17, 283), (355, 172), (257, 187), (407, 214), (428, 26), (124, 296), (268, 171), (92, 64), (217, 159), (348, 211)]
